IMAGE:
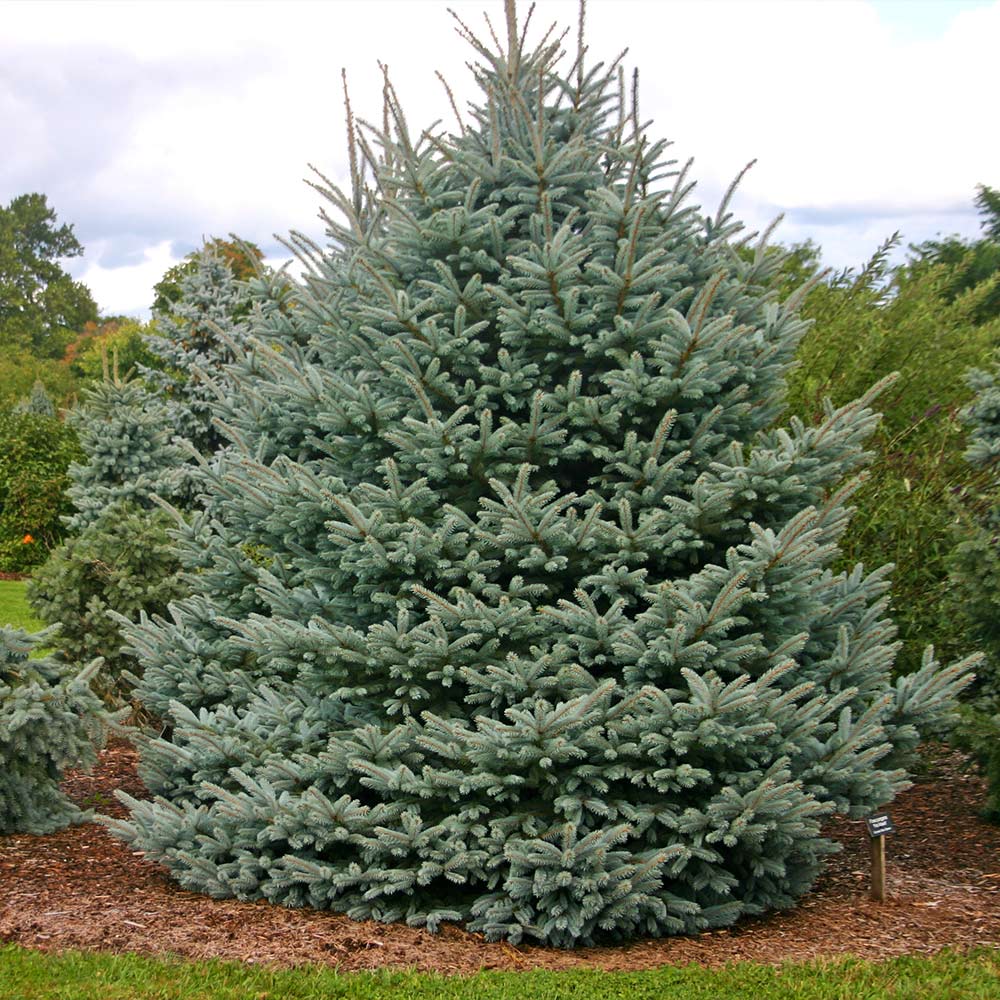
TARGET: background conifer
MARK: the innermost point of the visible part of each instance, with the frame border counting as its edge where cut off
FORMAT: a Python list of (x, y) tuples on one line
[(133, 451), (190, 342), (37, 401)]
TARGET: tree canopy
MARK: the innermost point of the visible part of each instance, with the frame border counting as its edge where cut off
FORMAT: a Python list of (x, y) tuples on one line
[(40, 303), (240, 256), (970, 262)]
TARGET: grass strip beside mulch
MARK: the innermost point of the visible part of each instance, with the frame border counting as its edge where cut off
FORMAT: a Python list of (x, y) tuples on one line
[(32, 975), (14, 608)]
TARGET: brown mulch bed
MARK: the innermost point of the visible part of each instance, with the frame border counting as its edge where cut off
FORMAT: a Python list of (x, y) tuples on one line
[(82, 889), (4, 575)]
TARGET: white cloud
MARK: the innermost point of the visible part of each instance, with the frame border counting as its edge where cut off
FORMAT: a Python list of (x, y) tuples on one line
[(157, 124), (128, 286)]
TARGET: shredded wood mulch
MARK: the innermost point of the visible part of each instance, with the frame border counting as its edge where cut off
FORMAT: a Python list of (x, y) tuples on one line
[(80, 888)]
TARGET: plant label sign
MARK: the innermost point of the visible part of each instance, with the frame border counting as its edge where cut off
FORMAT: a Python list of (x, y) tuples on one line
[(879, 825)]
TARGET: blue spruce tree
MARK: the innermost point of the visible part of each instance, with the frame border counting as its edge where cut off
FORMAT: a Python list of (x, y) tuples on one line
[(120, 558), (513, 601), (37, 401), (194, 338), (133, 452)]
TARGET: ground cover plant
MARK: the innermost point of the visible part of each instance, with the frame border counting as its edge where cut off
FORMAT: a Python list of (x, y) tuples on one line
[(77, 976), (513, 600)]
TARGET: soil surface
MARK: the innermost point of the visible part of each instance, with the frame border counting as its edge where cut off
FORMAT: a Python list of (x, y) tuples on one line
[(80, 888)]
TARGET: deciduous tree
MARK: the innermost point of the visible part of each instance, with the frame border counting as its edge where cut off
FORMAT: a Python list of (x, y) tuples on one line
[(41, 305)]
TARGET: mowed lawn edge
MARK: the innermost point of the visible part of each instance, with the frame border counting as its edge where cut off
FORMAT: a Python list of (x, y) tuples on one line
[(14, 608), (33, 975)]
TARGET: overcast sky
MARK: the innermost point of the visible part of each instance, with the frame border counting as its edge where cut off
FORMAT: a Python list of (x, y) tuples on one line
[(152, 125)]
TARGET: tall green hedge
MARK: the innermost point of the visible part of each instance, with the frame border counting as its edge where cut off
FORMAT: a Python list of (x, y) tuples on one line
[(975, 576), (865, 326)]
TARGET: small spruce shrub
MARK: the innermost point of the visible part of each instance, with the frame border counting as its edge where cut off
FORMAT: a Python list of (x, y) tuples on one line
[(131, 452), (37, 401), (122, 562), (50, 720)]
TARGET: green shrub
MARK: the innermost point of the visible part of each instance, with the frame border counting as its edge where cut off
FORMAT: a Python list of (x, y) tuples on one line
[(20, 369), (35, 454), (978, 732), (122, 339), (975, 583), (122, 562), (975, 578), (49, 720), (864, 327)]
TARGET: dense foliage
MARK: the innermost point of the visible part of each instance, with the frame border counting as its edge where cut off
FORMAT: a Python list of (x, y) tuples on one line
[(49, 720), (866, 326), (123, 562), (37, 401), (194, 340), (976, 576), (241, 258), (121, 339), (119, 559), (20, 369), (35, 454), (969, 264), (513, 599), (131, 451), (41, 305)]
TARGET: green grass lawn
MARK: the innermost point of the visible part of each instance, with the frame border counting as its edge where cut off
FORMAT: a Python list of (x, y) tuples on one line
[(14, 609), (30, 975)]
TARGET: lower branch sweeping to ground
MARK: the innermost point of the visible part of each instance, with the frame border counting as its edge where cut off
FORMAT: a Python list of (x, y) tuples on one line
[(81, 889)]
